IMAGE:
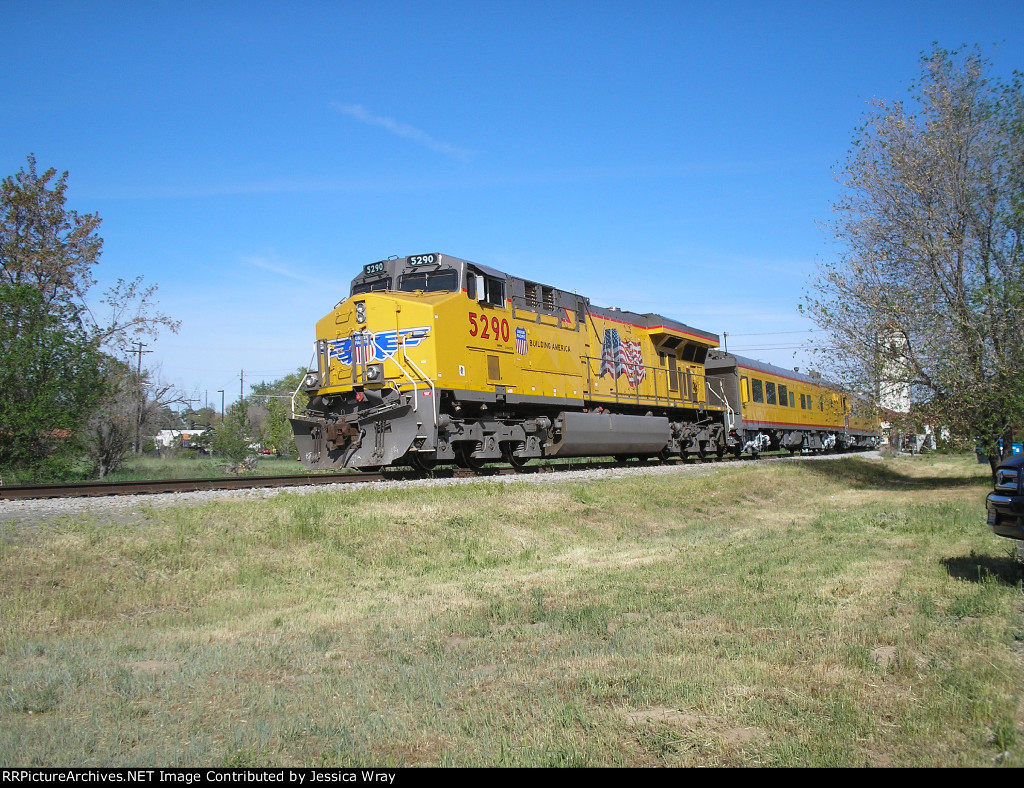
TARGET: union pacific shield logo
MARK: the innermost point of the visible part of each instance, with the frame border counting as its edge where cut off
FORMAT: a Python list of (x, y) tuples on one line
[(367, 347), (521, 341)]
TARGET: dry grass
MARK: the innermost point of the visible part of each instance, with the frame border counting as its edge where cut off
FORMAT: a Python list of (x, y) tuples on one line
[(841, 613)]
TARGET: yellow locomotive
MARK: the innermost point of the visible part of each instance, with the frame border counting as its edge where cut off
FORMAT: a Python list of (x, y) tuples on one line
[(436, 359)]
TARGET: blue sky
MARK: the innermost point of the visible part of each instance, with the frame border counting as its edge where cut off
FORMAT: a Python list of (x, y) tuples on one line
[(671, 157)]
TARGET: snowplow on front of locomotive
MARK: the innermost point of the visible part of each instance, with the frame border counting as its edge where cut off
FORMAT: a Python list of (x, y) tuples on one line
[(433, 359)]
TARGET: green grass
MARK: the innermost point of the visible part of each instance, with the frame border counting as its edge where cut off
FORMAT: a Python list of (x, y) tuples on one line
[(195, 467), (831, 614)]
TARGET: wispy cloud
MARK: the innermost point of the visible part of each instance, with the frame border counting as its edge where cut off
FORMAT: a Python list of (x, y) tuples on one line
[(363, 115), (281, 270)]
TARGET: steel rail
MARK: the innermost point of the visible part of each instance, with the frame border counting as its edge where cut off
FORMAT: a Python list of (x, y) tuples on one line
[(153, 487)]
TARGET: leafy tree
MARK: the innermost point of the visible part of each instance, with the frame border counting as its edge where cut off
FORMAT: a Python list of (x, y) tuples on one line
[(275, 408), (50, 378), (233, 438), (52, 347), (927, 293)]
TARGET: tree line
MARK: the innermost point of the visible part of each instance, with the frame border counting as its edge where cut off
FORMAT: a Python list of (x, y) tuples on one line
[(72, 403)]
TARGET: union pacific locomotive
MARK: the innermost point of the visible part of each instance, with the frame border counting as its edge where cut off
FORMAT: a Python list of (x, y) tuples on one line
[(433, 359)]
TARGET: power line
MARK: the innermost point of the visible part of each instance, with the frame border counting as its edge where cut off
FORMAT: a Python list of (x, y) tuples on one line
[(773, 333)]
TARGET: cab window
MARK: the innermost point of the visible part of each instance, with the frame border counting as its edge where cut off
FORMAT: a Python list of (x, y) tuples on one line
[(493, 289), (367, 287), (429, 281)]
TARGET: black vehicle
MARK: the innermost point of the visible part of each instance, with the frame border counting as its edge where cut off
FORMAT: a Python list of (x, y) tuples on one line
[(1005, 504)]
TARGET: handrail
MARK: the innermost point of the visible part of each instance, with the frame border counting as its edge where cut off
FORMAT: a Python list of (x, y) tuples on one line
[(302, 382), (720, 394), (418, 371)]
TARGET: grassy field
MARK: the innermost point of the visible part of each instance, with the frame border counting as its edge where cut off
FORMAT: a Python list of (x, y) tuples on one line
[(147, 467), (833, 613)]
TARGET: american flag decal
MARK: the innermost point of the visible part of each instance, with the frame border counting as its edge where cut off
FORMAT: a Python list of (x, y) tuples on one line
[(521, 341), (620, 356)]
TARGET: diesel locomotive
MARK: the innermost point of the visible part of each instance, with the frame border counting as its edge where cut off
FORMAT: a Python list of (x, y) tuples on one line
[(434, 359)]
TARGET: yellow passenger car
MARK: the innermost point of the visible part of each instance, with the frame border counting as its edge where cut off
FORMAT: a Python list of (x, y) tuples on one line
[(784, 409)]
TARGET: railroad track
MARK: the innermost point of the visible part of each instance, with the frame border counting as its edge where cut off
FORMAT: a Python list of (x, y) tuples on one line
[(153, 487)]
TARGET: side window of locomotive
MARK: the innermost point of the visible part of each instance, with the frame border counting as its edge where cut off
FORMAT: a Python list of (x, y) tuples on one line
[(783, 397), (769, 392), (756, 390), (494, 291)]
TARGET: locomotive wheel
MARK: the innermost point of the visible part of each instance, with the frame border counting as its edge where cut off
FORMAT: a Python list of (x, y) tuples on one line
[(421, 461), (465, 459), (507, 452)]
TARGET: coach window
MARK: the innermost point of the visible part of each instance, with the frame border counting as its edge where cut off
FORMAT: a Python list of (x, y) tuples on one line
[(756, 390), (744, 389), (792, 400), (783, 396), (769, 393)]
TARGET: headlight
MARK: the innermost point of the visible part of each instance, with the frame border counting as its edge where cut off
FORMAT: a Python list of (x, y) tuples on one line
[(360, 311), (312, 380), (374, 372)]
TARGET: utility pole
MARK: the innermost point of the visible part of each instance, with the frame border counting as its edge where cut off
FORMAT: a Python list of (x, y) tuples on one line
[(142, 395), (241, 389), (221, 392)]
